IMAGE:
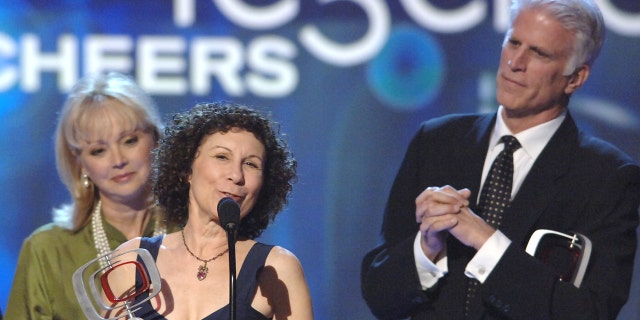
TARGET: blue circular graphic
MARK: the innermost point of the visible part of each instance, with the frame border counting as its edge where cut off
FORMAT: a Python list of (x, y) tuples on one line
[(408, 73)]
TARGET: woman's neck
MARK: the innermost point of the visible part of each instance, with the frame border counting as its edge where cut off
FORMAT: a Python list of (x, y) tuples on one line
[(205, 239), (131, 220)]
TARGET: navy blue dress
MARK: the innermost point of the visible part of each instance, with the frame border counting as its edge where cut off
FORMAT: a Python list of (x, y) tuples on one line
[(246, 283)]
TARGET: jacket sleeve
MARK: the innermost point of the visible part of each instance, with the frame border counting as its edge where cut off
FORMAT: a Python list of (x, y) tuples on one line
[(609, 217), (389, 279), (28, 297)]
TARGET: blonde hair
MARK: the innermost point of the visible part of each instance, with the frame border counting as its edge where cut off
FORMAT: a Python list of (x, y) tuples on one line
[(83, 114)]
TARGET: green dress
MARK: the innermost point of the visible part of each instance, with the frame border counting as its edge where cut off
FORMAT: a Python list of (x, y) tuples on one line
[(42, 286)]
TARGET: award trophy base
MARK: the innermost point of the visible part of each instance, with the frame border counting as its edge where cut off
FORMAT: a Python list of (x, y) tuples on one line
[(98, 297)]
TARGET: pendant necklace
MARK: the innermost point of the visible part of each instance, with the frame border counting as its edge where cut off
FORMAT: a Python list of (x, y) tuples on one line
[(100, 240), (202, 270)]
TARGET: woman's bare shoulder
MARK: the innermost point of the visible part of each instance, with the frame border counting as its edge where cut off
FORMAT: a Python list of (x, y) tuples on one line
[(284, 260)]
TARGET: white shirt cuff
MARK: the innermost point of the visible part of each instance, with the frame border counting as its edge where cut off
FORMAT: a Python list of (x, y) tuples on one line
[(487, 257), (428, 272)]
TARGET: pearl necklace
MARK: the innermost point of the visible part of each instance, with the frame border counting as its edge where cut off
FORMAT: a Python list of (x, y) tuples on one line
[(100, 239)]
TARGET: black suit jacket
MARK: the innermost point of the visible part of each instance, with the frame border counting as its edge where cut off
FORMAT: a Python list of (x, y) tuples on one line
[(577, 184)]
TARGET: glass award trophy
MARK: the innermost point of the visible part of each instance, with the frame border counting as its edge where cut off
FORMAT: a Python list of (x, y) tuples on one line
[(99, 296), (568, 255)]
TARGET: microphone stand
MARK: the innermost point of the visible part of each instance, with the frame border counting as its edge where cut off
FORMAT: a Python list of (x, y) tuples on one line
[(229, 215), (231, 235)]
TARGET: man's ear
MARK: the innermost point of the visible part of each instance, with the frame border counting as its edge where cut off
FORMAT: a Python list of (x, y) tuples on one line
[(577, 78)]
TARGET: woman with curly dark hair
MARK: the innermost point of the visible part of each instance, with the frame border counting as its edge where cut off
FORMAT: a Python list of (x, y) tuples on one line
[(210, 152)]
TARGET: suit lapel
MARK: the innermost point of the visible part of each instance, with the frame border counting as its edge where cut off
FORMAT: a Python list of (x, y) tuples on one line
[(540, 185), (478, 137)]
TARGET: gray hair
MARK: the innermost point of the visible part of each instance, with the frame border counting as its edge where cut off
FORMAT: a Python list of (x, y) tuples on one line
[(583, 17)]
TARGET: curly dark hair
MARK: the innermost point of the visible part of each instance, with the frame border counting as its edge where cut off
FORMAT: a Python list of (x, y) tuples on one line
[(177, 150)]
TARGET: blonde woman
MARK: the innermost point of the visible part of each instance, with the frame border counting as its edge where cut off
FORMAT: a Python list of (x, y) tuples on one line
[(103, 141)]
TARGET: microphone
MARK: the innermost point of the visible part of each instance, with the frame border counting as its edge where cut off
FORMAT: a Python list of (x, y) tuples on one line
[(229, 215)]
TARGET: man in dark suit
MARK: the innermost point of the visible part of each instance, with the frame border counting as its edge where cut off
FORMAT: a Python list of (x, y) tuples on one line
[(437, 241)]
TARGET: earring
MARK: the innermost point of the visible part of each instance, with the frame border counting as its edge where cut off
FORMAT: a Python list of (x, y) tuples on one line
[(85, 181)]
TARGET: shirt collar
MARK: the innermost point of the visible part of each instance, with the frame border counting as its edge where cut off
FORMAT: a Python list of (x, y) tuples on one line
[(532, 140)]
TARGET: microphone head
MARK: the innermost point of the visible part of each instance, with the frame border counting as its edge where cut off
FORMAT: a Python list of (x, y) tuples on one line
[(228, 213)]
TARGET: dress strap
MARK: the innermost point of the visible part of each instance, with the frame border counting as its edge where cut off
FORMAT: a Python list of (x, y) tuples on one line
[(152, 245), (250, 270)]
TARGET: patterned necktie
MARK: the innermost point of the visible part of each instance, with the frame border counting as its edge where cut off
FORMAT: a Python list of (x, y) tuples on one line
[(495, 196)]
